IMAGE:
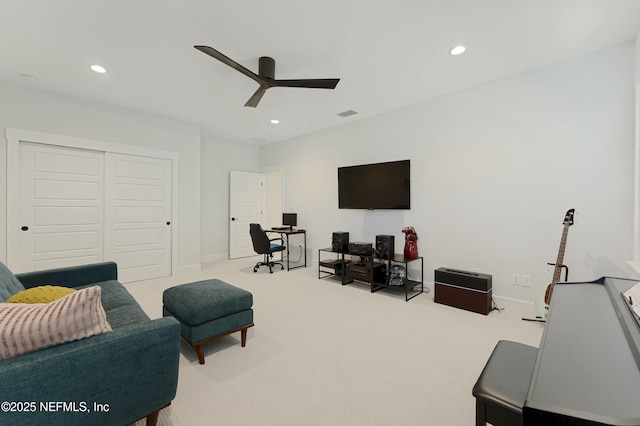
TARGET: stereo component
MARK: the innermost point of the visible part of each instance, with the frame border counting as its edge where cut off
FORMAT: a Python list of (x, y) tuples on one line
[(340, 242), (463, 289), (384, 247), (367, 271), (360, 249)]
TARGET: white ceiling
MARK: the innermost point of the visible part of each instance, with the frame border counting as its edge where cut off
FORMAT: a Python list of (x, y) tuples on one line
[(388, 54)]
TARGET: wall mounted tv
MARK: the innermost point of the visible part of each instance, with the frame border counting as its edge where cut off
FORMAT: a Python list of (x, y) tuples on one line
[(375, 186)]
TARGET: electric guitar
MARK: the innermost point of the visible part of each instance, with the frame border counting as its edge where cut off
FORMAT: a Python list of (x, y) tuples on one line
[(543, 305)]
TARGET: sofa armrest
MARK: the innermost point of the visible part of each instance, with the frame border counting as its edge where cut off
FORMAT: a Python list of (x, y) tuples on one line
[(128, 372), (71, 276)]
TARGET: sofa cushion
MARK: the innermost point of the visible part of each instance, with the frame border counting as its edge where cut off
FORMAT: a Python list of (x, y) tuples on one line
[(27, 328), (121, 308), (9, 284), (42, 294)]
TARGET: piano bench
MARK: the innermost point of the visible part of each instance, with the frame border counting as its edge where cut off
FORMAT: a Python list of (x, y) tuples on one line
[(502, 387)]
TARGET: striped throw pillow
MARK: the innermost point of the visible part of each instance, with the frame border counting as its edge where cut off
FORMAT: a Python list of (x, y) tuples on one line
[(27, 328)]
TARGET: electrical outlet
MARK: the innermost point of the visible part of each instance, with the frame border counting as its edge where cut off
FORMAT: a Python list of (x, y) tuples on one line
[(515, 279), (526, 281)]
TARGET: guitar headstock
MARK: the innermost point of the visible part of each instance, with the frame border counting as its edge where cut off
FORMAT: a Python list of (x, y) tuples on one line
[(568, 217)]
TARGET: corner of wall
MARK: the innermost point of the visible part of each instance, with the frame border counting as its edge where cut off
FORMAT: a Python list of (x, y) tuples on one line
[(637, 73), (636, 174)]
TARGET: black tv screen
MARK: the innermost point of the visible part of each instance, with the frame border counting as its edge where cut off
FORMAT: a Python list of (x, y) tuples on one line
[(375, 186)]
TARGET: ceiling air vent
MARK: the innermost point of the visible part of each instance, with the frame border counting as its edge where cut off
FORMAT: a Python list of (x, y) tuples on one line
[(258, 141), (348, 113)]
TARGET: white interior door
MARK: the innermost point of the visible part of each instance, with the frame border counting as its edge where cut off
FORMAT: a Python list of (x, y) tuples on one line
[(245, 207), (61, 205), (138, 216)]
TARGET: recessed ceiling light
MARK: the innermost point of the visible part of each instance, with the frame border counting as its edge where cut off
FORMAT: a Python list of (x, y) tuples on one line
[(275, 121), (98, 68), (458, 50)]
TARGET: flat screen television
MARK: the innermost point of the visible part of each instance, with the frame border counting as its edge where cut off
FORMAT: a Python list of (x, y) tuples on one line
[(375, 186)]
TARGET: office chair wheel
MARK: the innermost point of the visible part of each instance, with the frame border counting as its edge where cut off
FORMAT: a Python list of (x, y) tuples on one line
[(255, 270)]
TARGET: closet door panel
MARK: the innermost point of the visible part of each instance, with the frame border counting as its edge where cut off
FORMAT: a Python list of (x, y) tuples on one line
[(61, 205), (138, 216)]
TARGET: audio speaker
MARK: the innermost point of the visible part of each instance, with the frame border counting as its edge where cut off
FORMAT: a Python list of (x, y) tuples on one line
[(384, 247), (463, 289), (340, 242)]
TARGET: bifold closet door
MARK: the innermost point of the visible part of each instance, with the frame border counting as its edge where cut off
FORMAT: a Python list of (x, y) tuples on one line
[(61, 205), (138, 216)]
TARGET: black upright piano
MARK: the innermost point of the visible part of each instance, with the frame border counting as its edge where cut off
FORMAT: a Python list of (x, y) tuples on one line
[(588, 366)]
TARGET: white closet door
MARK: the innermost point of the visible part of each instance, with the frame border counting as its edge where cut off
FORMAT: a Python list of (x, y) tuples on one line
[(138, 216), (60, 209)]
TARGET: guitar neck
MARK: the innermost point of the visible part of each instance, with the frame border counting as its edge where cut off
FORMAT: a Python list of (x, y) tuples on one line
[(559, 261)]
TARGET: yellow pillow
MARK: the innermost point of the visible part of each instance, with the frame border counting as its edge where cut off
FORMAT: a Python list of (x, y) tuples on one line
[(43, 294)]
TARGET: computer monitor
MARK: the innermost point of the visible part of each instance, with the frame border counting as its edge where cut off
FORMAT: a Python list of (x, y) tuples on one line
[(290, 219)]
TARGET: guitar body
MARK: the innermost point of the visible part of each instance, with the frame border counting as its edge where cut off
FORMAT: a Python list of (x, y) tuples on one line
[(548, 292), (539, 304), (544, 298)]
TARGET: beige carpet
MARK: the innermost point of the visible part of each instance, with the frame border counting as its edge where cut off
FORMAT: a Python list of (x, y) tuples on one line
[(326, 354)]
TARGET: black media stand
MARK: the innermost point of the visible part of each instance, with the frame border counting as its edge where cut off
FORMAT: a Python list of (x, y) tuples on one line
[(407, 284), (369, 270)]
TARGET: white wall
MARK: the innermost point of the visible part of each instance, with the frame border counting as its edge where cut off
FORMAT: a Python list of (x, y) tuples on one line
[(217, 159), (38, 110), (636, 246), (272, 196), (494, 169), (638, 58)]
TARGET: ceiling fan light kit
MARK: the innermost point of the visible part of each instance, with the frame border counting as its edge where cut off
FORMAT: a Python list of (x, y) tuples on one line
[(266, 76)]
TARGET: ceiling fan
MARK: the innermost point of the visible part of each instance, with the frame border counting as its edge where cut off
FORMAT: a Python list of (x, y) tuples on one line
[(266, 76)]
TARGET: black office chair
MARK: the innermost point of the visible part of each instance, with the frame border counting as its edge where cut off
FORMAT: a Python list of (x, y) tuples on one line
[(263, 245)]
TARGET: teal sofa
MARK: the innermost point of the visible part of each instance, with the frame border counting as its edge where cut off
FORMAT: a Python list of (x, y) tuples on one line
[(114, 378)]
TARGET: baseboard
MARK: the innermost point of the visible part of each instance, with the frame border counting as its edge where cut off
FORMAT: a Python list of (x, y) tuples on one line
[(517, 305), (213, 258), (188, 269)]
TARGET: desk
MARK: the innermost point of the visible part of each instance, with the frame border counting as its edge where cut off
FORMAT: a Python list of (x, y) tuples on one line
[(587, 370), (285, 233)]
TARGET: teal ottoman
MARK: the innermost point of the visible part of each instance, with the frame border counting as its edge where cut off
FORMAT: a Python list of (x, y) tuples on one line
[(208, 310)]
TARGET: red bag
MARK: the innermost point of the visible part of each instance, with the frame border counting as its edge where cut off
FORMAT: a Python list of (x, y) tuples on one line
[(410, 249)]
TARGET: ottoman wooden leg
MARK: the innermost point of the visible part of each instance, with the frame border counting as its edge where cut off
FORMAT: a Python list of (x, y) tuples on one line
[(152, 418), (200, 352), (198, 346), (243, 336)]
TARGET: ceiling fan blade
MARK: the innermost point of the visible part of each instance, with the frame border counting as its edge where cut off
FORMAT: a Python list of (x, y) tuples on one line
[(316, 83), (255, 99), (265, 76), (225, 60)]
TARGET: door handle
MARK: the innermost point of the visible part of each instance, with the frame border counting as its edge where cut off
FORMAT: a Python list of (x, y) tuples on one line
[(25, 228), (168, 223), (233, 218)]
